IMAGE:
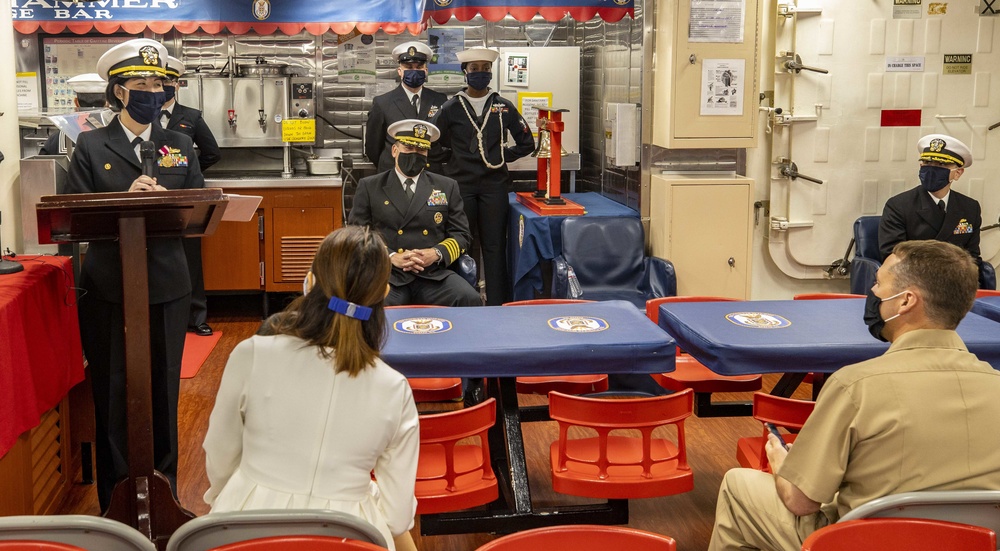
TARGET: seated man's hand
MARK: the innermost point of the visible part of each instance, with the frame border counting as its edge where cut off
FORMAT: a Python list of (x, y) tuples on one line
[(426, 257), (408, 261), (775, 452)]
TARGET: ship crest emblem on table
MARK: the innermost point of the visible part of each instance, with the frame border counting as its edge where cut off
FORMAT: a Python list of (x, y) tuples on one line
[(422, 326), (578, 324), (758, 320)]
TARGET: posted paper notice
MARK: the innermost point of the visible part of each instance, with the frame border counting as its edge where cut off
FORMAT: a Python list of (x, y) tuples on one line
[(722, 83)]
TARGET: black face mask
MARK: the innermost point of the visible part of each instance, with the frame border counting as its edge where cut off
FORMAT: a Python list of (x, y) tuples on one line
[(933, 178), (414, 78), (479, 80), (411, 164), (144, 106), (873, 317)]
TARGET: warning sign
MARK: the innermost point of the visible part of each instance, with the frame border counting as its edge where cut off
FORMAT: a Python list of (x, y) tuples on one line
[(907, 9), (957, 64)]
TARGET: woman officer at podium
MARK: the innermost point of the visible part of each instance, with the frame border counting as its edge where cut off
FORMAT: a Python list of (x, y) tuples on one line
[(108, 160)]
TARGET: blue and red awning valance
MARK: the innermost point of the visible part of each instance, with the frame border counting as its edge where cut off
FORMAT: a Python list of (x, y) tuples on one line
[(289, 16), (215, 16), (525, 10)]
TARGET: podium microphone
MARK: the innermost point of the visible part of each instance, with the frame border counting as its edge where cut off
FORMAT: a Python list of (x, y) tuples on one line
[(147, 152)]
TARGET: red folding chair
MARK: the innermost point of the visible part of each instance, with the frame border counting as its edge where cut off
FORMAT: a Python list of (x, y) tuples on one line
[(300, 543), (614, 464), (690, 373), (782, 412), (900, 534), (567, 384), (824, 296), (433, 389), (454, 475), (583, 537), (34, 545)]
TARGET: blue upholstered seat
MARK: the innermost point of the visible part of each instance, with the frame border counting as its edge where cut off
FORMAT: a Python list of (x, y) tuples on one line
[(867, 258), (606, 254), (866, 255)]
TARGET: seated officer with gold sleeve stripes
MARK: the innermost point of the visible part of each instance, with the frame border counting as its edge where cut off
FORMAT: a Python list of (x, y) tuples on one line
[(421, 217)]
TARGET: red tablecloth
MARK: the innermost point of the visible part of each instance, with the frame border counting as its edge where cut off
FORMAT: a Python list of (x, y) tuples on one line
[(40, 353)]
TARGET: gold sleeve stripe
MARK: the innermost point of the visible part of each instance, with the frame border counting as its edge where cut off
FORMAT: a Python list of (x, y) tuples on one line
[(453, 250)]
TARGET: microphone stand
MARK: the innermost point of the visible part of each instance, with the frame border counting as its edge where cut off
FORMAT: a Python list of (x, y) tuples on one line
[(8, 266)]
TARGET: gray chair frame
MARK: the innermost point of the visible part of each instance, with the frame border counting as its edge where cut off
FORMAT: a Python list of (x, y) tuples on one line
[(975, 507), (88, 532), (218, 529)]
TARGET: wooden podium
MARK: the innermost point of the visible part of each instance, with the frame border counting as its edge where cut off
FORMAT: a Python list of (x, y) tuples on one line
[(143, 499)]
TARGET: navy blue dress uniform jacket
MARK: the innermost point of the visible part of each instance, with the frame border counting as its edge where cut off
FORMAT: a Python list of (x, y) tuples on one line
[(391, 107), (434, 218), (913, 215), (189, 121), (466, 165), (105, 161)]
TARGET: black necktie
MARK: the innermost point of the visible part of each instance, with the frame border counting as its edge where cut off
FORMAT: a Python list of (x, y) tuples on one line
[(941, 205), (416, 103), (409, 188)]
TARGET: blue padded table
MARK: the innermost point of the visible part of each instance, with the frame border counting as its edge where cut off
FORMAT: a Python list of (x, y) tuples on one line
[(533, 238), (988, 307), (501, 343), (794, 336)]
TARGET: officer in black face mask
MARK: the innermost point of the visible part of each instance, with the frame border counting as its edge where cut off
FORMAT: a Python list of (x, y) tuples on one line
[(483, 132), (107, 160), (933, 210), (410, 100), (421, 218)]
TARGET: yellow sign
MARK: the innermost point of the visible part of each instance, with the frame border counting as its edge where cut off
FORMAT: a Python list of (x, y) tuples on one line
[(527, 104), (298, 130)]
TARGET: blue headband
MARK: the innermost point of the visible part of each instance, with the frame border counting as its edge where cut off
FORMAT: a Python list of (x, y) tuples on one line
[(349, 309)]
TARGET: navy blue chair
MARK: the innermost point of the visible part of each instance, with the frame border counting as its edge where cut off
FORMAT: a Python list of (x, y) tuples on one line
[(867, 258), (607, 256), (987, 276)]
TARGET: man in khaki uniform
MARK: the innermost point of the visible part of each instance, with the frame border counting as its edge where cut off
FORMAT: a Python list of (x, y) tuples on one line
[(923, 416)]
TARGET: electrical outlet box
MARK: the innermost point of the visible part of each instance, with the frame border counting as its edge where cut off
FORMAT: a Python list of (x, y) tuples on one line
[(621, 134)]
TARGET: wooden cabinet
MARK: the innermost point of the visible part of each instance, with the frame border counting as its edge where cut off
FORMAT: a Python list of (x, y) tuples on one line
[(231, 257), (35, 472), (703, 224), (273, 251)]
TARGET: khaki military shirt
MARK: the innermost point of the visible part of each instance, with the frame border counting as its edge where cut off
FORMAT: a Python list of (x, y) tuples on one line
[(923, 416)]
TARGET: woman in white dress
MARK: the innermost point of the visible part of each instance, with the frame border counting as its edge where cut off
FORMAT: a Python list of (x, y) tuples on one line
[(305, 415)]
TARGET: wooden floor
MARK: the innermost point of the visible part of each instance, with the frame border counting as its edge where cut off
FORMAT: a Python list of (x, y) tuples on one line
[(686, 517)]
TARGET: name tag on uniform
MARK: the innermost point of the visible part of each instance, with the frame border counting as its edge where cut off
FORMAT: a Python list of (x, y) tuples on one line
[(963, 227), (438, 198)]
